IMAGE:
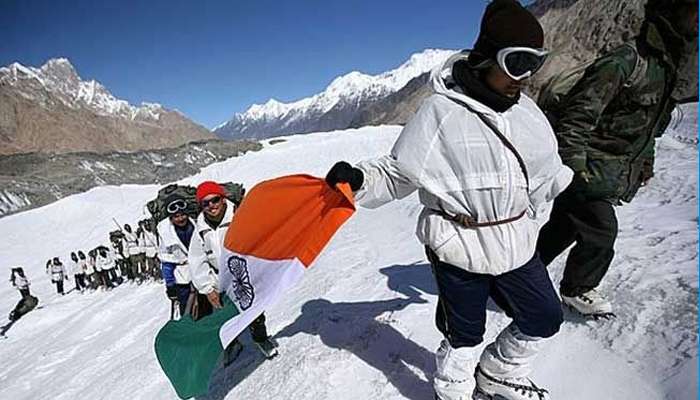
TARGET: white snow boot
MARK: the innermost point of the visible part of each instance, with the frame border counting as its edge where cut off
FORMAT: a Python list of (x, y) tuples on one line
[(504, 367), (590, 304), (454, 377), (491, 388)]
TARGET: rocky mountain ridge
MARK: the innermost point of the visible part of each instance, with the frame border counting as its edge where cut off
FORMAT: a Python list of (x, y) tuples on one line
[(334, 108), (575, 31), (32, 180), (51, 109)]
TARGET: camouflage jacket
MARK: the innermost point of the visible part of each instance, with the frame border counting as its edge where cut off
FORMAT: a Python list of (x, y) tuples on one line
[(606, 126)]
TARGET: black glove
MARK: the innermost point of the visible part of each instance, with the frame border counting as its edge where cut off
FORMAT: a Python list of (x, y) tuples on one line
[(342, 172), (171, 291)]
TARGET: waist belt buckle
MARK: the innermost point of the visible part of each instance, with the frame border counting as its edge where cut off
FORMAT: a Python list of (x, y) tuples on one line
[(466, 221)]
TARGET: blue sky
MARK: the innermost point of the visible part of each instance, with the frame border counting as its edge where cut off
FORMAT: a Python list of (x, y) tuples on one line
[(210, 59)]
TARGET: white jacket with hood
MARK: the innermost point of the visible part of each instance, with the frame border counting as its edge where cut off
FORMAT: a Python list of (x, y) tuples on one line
[(131, 244), (87, 267), (459, 165), (20, 282), (172, 250), (205, 250), (104, 263), (58, 272)]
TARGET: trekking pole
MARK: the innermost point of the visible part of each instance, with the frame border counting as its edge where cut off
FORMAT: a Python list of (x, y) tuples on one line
[(117, 223)]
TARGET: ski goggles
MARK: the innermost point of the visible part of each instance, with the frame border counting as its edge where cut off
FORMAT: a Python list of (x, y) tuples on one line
[(177, 206), (521, 62), (207, 202)]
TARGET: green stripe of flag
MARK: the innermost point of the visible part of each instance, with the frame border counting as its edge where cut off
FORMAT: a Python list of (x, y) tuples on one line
[(188, 351)]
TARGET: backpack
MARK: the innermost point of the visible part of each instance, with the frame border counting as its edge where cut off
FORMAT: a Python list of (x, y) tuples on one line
[(157, 206), (558, 87), (116, 236)]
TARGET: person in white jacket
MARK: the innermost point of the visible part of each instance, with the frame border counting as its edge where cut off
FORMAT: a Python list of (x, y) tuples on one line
[(78, 273), (133, 251), (484, 161), (88, 269), (58, 274), (26, 303), (205, 252), (107, 267), (117, 245), (20, 281), (175, 234), (150, 246)]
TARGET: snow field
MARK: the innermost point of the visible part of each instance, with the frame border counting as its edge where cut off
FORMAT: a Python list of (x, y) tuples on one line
[(360, 324)]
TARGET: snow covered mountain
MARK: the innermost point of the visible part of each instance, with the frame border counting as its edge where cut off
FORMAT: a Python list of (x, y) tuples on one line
[(360, 324), (332, 109), (52, 109), (576, 31)]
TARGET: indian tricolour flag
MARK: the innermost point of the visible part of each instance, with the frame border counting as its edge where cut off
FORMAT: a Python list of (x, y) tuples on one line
[(278, 231)]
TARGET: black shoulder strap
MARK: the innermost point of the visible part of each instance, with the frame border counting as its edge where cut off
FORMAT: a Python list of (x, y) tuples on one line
[(502, 137)]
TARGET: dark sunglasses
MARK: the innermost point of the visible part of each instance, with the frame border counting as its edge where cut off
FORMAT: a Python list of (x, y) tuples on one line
[(213, 200)]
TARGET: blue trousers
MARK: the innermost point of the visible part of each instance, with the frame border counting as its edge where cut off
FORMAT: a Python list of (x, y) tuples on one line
[(183, 294), (525, 294)]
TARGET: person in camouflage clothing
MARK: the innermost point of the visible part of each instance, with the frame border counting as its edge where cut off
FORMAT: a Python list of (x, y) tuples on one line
[(606, 126)]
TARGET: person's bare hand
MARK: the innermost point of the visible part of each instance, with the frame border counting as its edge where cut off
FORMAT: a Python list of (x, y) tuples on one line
[(214, 299)]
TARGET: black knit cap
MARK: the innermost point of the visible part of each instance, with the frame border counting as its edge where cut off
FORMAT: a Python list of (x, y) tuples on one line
[(506, 23)]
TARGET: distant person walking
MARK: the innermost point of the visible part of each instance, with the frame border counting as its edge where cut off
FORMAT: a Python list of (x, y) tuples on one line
[(27, 302), (78, 272), (107, 267), (89, 270), (58, 274), (133, 250)]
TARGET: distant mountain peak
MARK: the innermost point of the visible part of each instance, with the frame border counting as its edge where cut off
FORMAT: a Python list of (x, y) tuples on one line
[(59, 77), (342, 97), (51, 108)]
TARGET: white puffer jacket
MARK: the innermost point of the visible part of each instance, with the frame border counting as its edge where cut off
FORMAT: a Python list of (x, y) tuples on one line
[(459, 165), (115, 250), (104, 263), (131, 244), (21, 282), (205, 251), (58, 272), (87, 267), (172, 250), (150, 244)]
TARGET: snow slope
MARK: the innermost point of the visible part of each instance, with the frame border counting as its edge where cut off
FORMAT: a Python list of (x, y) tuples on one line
[(360, 325)]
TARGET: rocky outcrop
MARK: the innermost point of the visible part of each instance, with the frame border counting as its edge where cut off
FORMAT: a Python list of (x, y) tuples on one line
[(575, 31), (51, 109), (34, 179)]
